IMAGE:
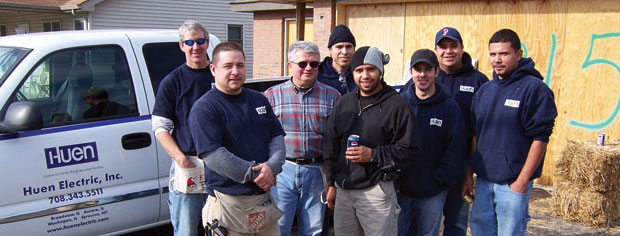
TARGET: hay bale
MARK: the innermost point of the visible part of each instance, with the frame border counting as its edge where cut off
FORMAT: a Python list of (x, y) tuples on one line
[(586, 206), (588, 165)]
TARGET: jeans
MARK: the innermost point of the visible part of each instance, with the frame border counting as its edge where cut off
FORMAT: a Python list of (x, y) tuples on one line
[(298, 190), (455, 212), (420, 216), (185, 212), (498, 210)]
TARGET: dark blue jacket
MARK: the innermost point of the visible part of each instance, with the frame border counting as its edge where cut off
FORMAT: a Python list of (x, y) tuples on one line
[(462, 85), (328, 75), (443, 140), (507, 116)]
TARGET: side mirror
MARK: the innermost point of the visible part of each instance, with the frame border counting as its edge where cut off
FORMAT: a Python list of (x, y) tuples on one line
[(22, 116)]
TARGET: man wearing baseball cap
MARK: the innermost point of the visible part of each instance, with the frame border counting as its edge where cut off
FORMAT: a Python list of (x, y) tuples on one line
[(335, 70), (462, 81), (363, 176), (424, 185)]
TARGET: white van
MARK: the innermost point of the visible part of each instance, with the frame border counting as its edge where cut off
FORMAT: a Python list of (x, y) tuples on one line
[(69, 173)]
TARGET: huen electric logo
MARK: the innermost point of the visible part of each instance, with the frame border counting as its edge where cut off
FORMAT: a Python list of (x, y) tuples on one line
[(71, 155)]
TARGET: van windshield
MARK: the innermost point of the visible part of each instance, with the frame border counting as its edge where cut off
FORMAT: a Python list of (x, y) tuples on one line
[(9, 58)]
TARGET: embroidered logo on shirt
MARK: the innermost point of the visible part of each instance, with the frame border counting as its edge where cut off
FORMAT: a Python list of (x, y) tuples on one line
[(261, 110), (512, 103), (436, 122), (467, 88)]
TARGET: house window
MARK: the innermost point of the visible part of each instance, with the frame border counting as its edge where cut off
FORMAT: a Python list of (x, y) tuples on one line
[(79, 24), (49, 26), (235, 33), (2, 30)]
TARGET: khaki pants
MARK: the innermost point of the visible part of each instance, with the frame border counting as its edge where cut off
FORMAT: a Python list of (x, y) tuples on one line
[(371, 211)]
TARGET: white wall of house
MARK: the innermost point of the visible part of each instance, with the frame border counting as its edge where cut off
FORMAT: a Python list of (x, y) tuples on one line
[(215, 15)]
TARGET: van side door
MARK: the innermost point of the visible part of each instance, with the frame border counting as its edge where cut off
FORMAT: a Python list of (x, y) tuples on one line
[(92, 168)]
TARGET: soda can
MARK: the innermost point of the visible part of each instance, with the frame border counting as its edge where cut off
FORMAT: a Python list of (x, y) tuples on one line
[(353, 141), (600, 140)]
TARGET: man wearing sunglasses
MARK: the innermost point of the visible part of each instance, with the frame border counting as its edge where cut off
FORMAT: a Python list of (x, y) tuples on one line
[(176, 94), (302, 105), (335, 70)]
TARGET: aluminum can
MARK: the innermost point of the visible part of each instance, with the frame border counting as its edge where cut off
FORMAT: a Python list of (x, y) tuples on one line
[(353, 141), (600, 140)]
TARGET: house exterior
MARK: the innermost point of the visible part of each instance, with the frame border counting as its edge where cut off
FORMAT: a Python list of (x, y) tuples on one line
[(29, 16), (574, 44)]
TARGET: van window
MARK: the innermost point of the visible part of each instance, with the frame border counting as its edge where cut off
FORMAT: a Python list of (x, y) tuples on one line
[(157, 66), (80, 85), (9, 58)]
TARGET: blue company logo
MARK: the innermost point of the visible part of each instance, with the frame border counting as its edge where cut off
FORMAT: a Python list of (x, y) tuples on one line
[(71, 155)]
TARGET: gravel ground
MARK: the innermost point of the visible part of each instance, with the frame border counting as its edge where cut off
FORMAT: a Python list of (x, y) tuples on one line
[(542, 223)]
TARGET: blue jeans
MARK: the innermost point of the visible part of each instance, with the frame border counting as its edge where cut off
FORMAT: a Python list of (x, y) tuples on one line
[(498, 210), (298, 190), (420, 216), (455, 212), (186, 212)]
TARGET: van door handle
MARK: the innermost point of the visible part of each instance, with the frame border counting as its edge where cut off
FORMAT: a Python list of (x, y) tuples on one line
[(136, 140)]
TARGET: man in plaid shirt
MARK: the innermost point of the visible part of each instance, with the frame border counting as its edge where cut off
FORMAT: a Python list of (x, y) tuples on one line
[(302, 105)]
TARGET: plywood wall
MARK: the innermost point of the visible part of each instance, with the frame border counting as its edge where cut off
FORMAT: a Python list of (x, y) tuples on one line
[(575, 44)]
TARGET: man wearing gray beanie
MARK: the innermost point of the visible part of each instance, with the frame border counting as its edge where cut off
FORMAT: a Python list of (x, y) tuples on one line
[(363, 174), (335, 70)]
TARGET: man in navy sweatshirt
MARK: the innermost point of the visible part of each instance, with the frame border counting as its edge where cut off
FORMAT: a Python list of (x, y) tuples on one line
[(462, 80), (424, 184), (513, 116)]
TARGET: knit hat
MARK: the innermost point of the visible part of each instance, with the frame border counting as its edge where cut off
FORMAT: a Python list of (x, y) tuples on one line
[(371, 56), (448, 32), (424, 55), (340, 34)]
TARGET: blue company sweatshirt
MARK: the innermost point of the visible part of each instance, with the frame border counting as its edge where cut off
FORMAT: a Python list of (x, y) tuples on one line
[(507, 116), (443, 140), (462, 85), (328, 75)]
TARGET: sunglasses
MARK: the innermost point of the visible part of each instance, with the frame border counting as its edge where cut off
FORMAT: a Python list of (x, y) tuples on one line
[(191, 42), (303, 64)]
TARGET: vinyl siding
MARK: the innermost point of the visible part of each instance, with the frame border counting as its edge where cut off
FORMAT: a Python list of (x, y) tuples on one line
[(215, 15), (35, 20)]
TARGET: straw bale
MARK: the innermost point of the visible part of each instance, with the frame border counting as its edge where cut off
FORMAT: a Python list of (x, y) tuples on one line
[(586, 206), (588, 165)]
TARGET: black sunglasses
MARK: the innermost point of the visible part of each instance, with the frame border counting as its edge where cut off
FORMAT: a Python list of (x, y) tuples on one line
[(191, 42), (303, 64)]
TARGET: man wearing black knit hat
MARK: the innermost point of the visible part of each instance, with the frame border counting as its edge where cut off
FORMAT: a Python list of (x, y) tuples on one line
[(363, 175), (335, 70)]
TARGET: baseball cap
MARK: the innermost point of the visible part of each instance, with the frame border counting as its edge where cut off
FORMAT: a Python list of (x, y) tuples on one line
[(424, 55), (448, 32)]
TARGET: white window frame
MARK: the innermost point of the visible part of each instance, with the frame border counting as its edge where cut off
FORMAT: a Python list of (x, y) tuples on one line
[(23, 25)]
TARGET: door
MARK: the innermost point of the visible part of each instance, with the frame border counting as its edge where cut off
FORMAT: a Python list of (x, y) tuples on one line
[(92, 169)]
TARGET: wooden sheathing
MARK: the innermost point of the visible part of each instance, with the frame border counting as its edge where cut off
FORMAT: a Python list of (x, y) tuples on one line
[(573, 42)]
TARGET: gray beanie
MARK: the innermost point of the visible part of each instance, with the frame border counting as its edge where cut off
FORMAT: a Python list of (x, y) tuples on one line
[(369, 55)]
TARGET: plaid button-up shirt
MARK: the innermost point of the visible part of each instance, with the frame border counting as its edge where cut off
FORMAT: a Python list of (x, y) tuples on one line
[(303, 115)]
